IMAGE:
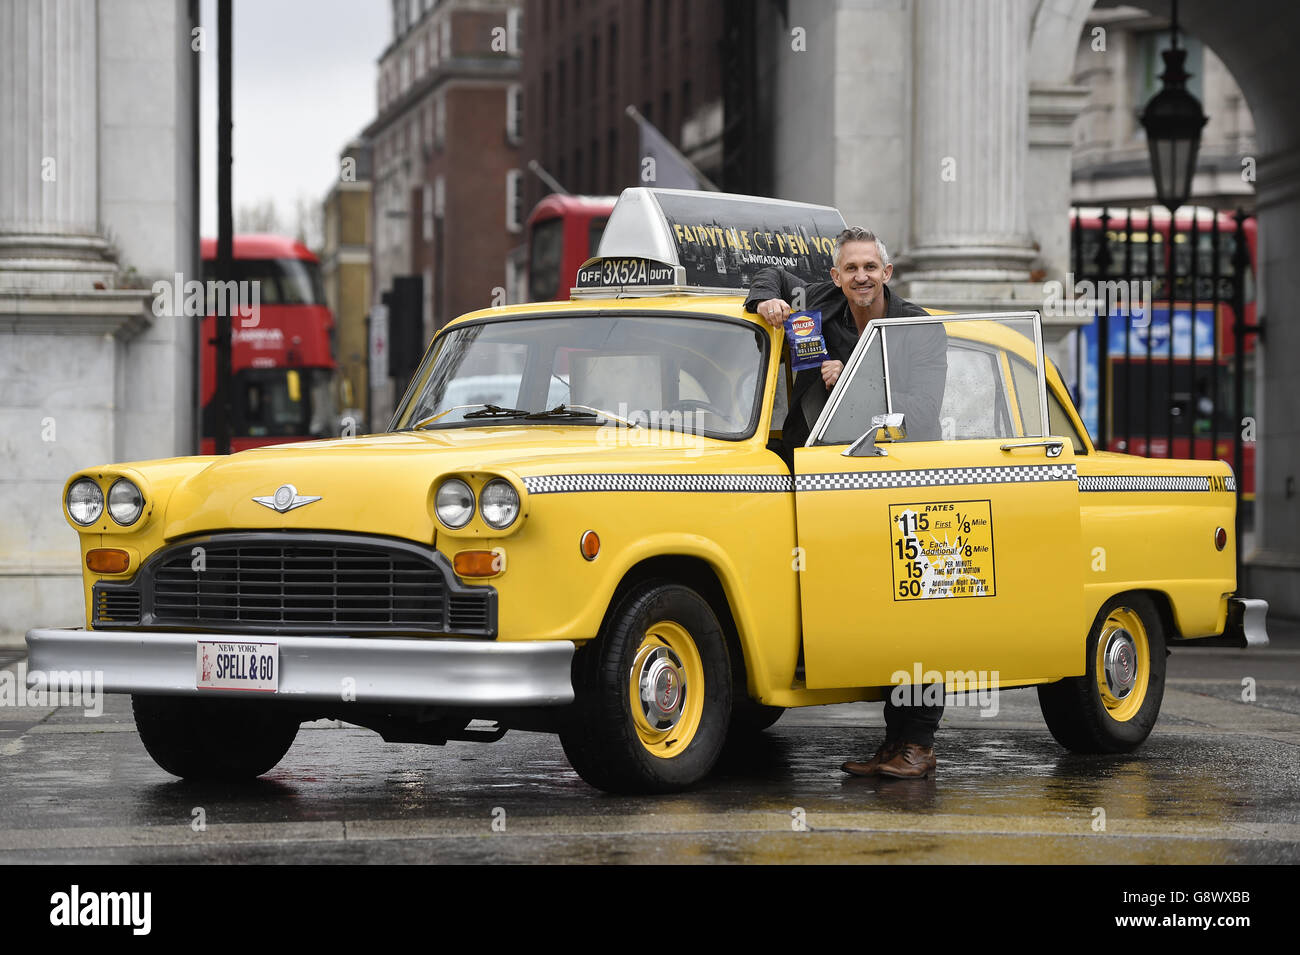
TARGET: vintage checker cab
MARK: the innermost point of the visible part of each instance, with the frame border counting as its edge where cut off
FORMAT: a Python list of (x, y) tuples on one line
[(578, 522)]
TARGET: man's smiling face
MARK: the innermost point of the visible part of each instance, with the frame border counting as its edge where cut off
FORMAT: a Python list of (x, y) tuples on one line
[(859, 274)]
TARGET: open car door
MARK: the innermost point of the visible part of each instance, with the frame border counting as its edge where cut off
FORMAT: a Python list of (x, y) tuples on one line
[(947, 542)]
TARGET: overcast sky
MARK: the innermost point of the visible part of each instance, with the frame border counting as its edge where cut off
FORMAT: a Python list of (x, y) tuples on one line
[(304, 84)]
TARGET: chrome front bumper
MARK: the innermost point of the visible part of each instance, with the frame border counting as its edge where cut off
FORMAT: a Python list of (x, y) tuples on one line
[(450, 672)]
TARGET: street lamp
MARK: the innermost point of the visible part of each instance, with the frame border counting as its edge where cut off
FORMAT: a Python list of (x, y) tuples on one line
[(1173, 120)]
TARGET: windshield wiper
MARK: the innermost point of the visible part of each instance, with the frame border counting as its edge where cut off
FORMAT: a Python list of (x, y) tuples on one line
[(579, 411), (484, 411)]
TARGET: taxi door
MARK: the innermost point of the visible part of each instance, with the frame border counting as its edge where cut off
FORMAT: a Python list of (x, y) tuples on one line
[(953, 547)]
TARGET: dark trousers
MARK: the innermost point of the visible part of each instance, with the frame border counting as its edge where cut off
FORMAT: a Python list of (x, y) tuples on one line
[(912, 724)]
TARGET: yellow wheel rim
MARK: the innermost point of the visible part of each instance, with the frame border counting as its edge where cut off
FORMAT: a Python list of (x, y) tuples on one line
[(1123, 663), (666, 689)]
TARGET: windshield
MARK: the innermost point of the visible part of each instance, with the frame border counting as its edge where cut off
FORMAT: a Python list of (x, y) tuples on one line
[(695, 374)]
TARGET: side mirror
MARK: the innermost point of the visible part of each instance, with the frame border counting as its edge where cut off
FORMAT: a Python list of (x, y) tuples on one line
[(884, 427)]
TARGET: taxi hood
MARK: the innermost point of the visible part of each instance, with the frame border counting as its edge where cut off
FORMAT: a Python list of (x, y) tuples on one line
[(383, 484)]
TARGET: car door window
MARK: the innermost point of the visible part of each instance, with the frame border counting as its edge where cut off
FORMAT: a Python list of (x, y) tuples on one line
[(954, 379), (974, 403), (862, 398)]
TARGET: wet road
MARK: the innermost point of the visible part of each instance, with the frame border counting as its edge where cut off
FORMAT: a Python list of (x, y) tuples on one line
[(1217, 782)]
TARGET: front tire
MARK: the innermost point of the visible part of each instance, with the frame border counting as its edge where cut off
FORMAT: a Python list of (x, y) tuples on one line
[(652, 694), (1114, 705), (213, 739)]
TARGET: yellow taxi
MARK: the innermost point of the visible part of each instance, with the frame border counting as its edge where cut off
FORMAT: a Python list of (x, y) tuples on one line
[(578, 523)]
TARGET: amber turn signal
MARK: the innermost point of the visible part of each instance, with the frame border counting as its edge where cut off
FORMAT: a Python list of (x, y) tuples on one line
[(590, 545), (1220, 539), (108, 560), (478, 563)]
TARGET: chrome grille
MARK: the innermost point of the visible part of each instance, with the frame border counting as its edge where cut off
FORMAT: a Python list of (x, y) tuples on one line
[(285, 583)]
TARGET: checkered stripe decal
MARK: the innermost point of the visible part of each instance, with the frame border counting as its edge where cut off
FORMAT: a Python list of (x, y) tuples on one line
[(1148, 482), (779, 483), (1012, 474), (1231, 484), (697, 483)]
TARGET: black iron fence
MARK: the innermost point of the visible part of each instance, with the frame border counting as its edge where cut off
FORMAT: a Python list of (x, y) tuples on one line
[(1166, 367)]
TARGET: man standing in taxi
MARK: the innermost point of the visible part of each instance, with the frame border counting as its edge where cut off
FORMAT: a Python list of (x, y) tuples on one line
[(858, 292)]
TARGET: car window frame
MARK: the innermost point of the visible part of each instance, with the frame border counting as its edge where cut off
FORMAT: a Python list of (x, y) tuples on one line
[(874, 328)]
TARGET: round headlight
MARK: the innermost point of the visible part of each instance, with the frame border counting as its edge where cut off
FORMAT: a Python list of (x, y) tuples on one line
[(499, 504), (454, 503), (85, 501), (125, 502)]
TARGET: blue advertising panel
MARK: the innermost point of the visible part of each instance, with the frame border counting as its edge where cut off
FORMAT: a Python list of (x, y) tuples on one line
[(1140, 330)]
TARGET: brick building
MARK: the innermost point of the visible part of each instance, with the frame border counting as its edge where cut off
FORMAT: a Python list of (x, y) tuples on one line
[(446, 158), (345, 272), (587, 61)]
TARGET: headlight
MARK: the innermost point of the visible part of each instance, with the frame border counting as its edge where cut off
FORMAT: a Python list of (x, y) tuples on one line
[(125, 502), (85, 501), (454, 503), (500, 504)]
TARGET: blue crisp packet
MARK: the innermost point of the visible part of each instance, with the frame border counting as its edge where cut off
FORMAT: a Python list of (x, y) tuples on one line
[(807, 346)]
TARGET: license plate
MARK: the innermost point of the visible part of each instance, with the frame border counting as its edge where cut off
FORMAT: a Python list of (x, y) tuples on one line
[(237, 665)]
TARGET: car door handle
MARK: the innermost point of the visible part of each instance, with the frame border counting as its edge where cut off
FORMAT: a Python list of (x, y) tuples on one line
[(1054, 448)]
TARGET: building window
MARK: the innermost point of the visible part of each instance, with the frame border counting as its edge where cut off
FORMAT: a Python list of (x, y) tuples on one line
[(439, 121), (515, 200), (446, 38), (405, 78), (561, 90), (439, 197), (514, 113), (611, 58), (611, 157), (427, 210), (419, 59)]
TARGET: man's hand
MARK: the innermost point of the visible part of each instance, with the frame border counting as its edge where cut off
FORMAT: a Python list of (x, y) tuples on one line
[(831, 371), (775, 311)]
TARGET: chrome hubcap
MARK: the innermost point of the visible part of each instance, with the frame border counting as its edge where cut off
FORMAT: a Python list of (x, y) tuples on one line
[(1120, 657), (661, 680)]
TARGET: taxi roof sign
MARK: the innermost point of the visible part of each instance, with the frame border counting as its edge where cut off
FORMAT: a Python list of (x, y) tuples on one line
[(661, 241)]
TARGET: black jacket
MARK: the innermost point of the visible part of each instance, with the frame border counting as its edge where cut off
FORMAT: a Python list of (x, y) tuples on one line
[(918, 357)]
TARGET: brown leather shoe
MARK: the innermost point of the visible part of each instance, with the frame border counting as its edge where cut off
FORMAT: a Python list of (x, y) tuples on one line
[(910, 762), (872, 766)]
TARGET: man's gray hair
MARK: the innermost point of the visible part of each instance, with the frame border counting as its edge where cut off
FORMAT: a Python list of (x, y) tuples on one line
[(855, 234)]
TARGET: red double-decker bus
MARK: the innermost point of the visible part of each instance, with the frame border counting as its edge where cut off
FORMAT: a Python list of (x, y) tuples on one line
[(563, 232), (1163, 374), (282, 352)]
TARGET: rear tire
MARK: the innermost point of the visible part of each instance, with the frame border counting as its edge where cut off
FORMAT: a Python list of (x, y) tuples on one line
[(652, 694), (1114, 705), (213, 739)]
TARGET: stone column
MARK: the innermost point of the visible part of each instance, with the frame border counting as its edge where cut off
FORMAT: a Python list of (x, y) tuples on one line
[(49, 201), (971, 246)]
